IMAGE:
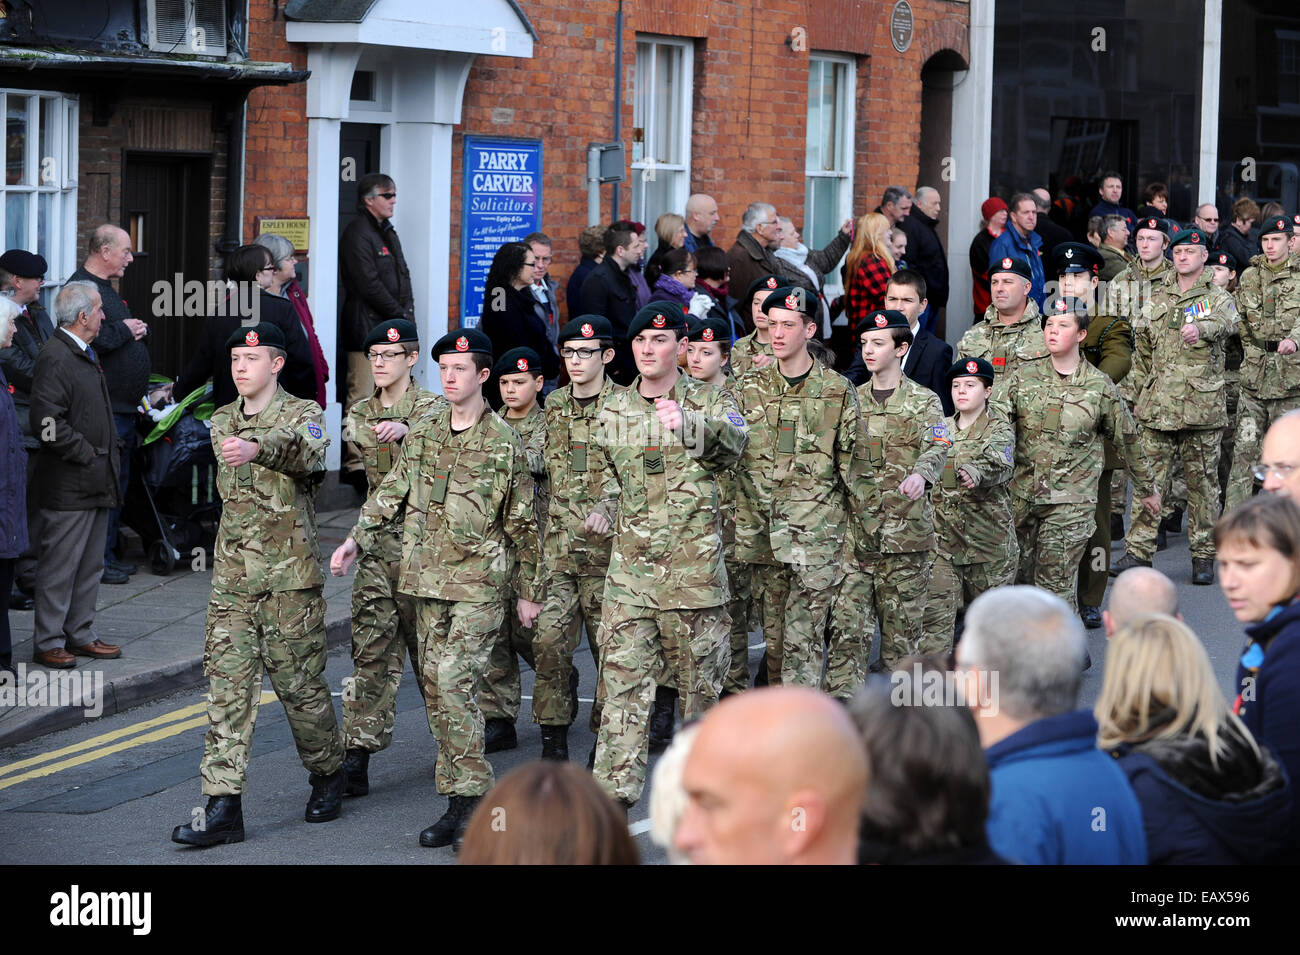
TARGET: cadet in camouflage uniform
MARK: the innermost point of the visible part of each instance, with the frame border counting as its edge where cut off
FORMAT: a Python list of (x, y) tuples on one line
[(574, 559), (1108, 348), (794, 481), (1012, 330), (664, 438), (1223, 268), (266, 610), (465, 491), (759, 341), (898, 457), (1062, 408), (1180, 405), (383, 620), (975, 532), (520, 381), (707, 349), (1269, 296)]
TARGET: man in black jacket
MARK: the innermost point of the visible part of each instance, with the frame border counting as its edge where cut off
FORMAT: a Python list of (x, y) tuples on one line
[(608, 291), (376, 288), (77, 479), (125, 360), (928, 360), (925, 254), (21, 275)]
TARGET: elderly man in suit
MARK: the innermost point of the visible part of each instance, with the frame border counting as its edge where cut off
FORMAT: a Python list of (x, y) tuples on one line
[(77, 478), (928, 360)]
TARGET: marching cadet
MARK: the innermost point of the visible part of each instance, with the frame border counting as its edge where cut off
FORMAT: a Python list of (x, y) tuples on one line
[(1108, 348), (794, 481), (520, 381), (466, 493), (1012, 330), (1061, 409), (898, 457), (1126, 295), (755, 349), (664, 439), (1223, 269), (707, 349), (383, 619), (1181, 406), (1269, 296), (267, 610), (975, 532), (574, 559)]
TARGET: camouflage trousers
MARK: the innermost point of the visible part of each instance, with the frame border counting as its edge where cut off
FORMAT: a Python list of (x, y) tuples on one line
[(455, 641), (637, 643), (793, 607), (285, 634), (572, 601), (500, 694), (1254, 417), (1199, 452), (891, 589), (1229, 440), (739, 607), (954, 586), (383, 634), (1094, 566), (1053, 538)]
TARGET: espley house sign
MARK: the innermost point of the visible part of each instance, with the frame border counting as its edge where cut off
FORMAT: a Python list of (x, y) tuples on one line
[(900, 26)]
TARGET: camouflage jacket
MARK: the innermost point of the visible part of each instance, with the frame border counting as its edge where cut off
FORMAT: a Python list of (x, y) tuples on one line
[(1109, 349), (728, 493), (1005, 346), (576, 474), (1233, 352), (662, 495), (266, 541), (1269, 298), (532, 432), (1059, 425), (1126, 295), (795, 476), (905, 435), (974, 525), (1180, 385), (379, 457), (743, 352), (468, 502)]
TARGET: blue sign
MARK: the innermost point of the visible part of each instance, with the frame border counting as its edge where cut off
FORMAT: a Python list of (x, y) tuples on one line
[(501, 202)]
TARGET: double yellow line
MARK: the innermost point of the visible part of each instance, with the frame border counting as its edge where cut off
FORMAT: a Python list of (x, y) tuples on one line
[(106, 744)]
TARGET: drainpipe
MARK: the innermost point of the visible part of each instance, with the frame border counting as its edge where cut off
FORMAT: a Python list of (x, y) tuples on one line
[(618, 92)]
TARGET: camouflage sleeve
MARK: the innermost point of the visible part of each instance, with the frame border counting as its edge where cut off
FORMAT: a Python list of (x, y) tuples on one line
[(520, 522), (935, 440), (297, 449), (850, 433), (1222, 320), (1250, 299), (1116, 350), (535, 450), (717, 437), (1118, 425), (1141, 357), (607, 506), (995, 462), (1002, 401), (385, 500)]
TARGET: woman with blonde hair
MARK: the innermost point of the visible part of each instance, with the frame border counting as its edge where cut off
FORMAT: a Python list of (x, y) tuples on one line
[(671, 230), (1210, 794), (867, 268)]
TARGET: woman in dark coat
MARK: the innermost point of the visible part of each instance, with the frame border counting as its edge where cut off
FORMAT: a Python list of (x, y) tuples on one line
[(13, 487), (1210, 794), (509, 318)]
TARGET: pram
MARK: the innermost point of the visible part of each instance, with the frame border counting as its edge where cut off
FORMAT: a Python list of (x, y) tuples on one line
[(171, 499)]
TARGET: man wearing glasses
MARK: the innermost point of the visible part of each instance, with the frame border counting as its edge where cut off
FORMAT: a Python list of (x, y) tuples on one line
[(1207, 220), (753, 255), (376, 288), (1279, 465)]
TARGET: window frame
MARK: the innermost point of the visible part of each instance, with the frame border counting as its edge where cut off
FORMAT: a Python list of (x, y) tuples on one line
[(684, 105), (846, 138)]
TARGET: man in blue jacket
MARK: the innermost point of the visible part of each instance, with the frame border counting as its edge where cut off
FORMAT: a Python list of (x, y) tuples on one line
[(1057, 799), (1020, 241)]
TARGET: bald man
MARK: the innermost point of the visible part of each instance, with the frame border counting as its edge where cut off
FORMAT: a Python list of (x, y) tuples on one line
[(776, 777), (1135, 592), (1280, 456), (701, 216)]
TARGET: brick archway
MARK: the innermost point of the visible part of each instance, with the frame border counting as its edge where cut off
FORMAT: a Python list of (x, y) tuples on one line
[(943, 35)]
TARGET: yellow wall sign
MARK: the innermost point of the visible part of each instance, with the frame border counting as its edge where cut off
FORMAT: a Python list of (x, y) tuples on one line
[(295, 230)]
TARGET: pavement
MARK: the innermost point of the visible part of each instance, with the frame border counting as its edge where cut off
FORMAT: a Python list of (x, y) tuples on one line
[(159, 624)]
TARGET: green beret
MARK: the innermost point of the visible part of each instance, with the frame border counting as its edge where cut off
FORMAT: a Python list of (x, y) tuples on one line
[(466, 341), (1012, 264), (1191, 236), (658, 315), (769, 282), (1066, 305), (971, 368), (793, 298), (393, 332), (1154, 224), (518, 361), (251, 336), (1274, 225), (587, 328), (708, 330), (1226, 259), (882, 319)]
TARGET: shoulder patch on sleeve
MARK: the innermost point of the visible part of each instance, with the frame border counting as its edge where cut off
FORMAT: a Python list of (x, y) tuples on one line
[(314, 430), (1007, 454), (736, 418), (940, 432)]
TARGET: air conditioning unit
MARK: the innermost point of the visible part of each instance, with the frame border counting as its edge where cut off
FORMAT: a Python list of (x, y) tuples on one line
[(195, 27)]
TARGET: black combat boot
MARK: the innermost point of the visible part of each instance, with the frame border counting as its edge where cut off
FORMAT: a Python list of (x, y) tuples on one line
[(555, 743), (499, 734), (1091, 616), (1173, 521), (326, 800), (1202, 572), (222, 821), (356, 762), (1127, 562), (662, 718), (467, 806), (450, 829)]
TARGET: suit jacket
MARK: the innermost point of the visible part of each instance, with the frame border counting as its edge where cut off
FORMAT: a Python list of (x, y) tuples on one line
[(927, 364)]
